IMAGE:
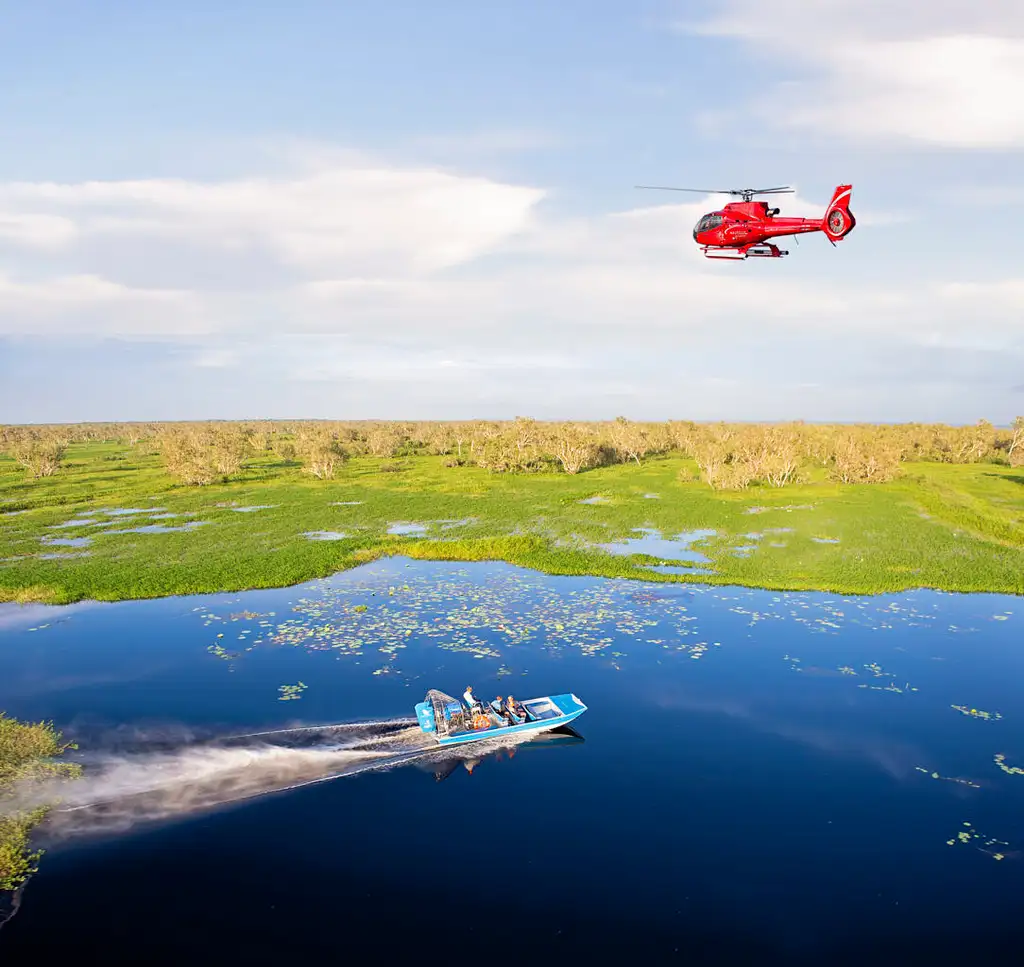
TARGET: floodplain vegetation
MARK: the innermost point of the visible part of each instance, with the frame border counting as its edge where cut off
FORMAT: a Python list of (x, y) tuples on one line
[(845, 508), (134, 510), (29, 754)]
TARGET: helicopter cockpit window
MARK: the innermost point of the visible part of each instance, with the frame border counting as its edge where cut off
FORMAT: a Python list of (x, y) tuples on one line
[(708, 222)]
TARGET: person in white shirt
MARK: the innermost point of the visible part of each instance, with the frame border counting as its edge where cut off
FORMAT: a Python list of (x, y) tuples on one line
[(472, 702)]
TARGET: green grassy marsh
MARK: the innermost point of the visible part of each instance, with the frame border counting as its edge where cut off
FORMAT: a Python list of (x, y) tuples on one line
[(956, 527)]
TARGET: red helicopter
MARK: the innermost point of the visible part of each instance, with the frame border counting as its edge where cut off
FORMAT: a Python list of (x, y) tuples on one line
[(742, 228)]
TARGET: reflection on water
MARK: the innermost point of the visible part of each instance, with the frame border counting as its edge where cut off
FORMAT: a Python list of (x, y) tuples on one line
[(469, 758), (408, 529), (675, 548), (160, 528), (678, 569), (125, 511), (449, 523)]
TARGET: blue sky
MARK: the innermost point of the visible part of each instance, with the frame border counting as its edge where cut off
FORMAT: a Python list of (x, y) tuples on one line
[(401, 210)]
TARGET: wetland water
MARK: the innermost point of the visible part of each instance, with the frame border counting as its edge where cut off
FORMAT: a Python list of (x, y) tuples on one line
[(762, 775)]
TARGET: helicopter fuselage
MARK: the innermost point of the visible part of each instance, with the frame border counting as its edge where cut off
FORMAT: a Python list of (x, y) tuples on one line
[(748, 223)]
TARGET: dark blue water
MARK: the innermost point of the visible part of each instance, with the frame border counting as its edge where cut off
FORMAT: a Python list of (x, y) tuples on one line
[(762, 777)]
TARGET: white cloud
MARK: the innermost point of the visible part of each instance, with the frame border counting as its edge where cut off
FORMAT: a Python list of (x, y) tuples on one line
[(944, 74), (385, 218), (865, 19), (92, 306), (216, 358), (322, 361), (1006, 294), (36, 230)]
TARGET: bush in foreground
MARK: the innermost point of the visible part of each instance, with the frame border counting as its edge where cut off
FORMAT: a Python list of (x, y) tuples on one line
[(27, 757)]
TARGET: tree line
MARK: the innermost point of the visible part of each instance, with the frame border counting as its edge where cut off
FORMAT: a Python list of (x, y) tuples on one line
[(728, 456)]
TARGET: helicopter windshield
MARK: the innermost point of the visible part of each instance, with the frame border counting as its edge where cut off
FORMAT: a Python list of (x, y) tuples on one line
[(707, 223)]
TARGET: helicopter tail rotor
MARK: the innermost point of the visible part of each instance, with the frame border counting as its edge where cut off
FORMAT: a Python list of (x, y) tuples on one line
[(839, 221)]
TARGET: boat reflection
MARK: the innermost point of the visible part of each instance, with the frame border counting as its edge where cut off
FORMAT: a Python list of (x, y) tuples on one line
[(565, 735)]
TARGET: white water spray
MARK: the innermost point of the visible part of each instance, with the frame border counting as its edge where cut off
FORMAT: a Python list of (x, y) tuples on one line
[(122, 789), (135, 778)]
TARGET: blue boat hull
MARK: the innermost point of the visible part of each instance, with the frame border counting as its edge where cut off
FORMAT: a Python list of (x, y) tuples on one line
[(545, 713)]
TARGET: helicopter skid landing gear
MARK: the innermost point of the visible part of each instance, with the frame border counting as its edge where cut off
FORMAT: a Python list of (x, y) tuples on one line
[(760, 251), (766, 251)]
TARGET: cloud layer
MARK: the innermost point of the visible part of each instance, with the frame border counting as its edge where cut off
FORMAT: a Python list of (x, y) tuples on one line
[(902, 71), (435, 285)]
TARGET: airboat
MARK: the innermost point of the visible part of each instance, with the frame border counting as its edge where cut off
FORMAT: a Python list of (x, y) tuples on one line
[(452, 723)]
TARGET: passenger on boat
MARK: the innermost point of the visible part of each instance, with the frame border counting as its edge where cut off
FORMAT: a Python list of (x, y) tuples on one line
[(516, 712), (472, 702), (501, 708)]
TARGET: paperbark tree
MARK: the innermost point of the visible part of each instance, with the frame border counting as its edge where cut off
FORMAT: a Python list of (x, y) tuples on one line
[(320, 451), (41, 453), (575, 447), (1016, 441), (629, 440), (187, 455)]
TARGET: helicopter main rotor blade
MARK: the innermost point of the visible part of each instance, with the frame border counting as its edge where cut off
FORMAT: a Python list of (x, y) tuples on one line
[(703, 191), (741, 192)]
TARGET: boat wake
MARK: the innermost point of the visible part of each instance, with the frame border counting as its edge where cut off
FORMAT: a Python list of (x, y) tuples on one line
[(158, 778)]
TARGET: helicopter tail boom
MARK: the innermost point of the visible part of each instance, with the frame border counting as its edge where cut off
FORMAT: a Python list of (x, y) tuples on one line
[(839, 221)]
